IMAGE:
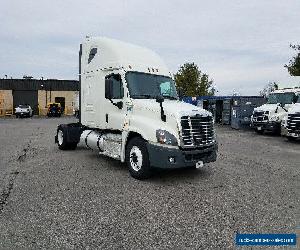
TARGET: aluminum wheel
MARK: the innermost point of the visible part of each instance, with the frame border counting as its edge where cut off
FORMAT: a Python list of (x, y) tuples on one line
[(136, 158), (60, 137)]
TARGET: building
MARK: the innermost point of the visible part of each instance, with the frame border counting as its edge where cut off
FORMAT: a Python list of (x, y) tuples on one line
[(37, 93)]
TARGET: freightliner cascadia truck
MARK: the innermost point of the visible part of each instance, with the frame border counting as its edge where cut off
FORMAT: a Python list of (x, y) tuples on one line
[(291, 122), (269, 116), (129, 110)]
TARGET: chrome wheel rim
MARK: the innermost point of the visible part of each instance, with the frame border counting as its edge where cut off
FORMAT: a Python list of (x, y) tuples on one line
[(136, 158), (60, 137)]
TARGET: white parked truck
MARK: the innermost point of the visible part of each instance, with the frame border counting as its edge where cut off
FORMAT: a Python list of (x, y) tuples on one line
[(291, 122), (23, 110), (269, 116), (129, 110)]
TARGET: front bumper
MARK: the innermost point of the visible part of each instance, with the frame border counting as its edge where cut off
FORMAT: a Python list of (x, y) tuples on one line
[(159, 156), (269, 126), (22, 113)]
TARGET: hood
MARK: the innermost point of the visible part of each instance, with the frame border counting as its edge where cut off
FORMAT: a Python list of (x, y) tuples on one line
[(266, 107), (295, 108), (173, 108)]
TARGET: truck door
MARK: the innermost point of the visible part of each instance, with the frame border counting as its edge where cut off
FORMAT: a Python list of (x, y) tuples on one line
[(114, 115)]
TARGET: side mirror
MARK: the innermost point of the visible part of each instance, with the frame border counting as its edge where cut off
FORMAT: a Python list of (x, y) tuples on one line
[(160, 99), (108, 89)]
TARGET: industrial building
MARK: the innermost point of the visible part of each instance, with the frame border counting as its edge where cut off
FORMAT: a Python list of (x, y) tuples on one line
[(37, 93)]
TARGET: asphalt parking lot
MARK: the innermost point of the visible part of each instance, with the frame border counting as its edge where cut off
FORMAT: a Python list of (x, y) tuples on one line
[(78, 199)]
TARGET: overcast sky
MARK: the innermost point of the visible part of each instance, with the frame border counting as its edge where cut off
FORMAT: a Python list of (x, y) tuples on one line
[(241, 44)]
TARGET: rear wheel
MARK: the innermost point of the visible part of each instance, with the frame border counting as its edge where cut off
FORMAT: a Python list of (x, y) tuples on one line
[(137, 159), (259, 131), (62, 142)]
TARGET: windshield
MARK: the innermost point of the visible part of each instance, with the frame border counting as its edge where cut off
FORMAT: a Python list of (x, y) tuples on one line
[(54, 105), (282, 98), (148, 86), (23, 106)]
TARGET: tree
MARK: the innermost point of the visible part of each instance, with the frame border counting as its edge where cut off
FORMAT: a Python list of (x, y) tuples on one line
[(294, 64), (270, 87), (190, 81)]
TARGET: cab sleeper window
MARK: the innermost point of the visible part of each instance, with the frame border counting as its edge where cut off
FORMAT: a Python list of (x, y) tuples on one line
[(117, 86)]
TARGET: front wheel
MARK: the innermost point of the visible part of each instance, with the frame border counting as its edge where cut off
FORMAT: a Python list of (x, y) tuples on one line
[(260, 132), (137, 159), (291, 138)]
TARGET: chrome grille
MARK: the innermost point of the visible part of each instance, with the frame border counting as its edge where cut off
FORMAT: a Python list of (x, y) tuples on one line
[(260, 116), (196, 131), (293, 123)]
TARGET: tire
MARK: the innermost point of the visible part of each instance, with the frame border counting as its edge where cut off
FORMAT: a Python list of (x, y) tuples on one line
[(137, 159), (62, 142), (260, 132), (290, 138), (17, 116)]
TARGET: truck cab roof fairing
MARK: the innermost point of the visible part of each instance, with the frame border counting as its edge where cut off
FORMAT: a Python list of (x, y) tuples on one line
[(106, 53)]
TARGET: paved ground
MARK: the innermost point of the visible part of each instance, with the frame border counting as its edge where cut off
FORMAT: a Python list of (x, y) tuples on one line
[(78, 199)]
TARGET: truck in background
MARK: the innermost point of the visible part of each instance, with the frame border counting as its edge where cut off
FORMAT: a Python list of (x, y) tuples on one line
[(291, 122), (269, 116), (129, 110)]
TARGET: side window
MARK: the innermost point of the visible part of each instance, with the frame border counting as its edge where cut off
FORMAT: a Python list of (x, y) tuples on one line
[(117, 90), (92, 54), (165, 89)]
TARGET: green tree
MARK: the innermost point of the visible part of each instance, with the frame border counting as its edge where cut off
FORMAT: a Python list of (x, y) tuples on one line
[(190, 81), (294, 64), (270, 87)]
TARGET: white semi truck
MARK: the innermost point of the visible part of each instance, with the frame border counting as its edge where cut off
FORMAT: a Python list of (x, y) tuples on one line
[(291, 122), (129, 110), (269, 116)]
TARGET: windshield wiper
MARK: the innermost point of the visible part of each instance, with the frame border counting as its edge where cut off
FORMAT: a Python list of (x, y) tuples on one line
[(142, 96), (170, 97)]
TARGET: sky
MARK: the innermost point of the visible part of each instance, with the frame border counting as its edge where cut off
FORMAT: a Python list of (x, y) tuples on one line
[(242, 45)]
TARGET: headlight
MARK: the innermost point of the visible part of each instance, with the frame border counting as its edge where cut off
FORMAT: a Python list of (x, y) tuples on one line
[(274, 118), (164, 137)]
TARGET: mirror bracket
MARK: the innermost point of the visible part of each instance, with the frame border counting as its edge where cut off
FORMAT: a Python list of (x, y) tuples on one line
[(160, 99)]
